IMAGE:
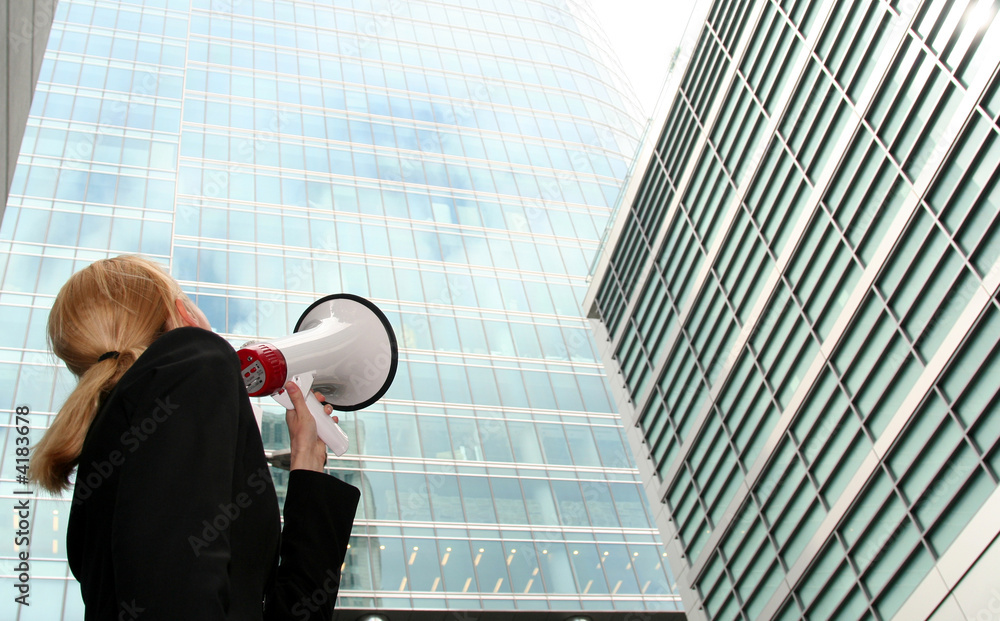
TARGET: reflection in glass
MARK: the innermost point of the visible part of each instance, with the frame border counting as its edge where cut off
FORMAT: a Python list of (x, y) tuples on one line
[(587, 567), (423, 565), (522, 563), (446, 498), (491, 567), (538, 500), (556, 569), (477, 499)]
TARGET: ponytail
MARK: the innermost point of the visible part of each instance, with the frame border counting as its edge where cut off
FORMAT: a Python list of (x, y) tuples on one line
[(55, 455), (115, 305)]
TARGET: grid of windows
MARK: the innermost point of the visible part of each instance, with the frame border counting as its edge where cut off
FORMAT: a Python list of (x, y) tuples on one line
[(774, 45), (741, 125), (852, 41), (938, 473), (721, 32), (837, 282), (817, 115), (865, 195), (910, 114), (456, 165), (708, 195), (646, 216), (965, 197), (675, 146), (777, 196)]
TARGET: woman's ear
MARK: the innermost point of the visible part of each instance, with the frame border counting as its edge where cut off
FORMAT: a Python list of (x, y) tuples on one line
[(186, 315), (189, 315)]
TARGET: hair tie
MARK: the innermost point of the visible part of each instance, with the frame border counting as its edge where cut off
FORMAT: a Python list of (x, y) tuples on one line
[(108, 354)]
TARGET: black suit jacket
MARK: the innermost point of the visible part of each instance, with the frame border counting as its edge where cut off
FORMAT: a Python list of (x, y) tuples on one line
[(175, 516)]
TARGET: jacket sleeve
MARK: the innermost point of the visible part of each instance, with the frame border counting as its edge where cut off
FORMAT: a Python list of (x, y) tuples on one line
[(169, 534), (319, 513)]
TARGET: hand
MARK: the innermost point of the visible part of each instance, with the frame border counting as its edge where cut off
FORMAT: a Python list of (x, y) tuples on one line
[(308, 451)]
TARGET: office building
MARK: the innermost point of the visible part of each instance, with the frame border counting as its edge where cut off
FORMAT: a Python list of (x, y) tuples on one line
[(800, 295), (26, 26), (454, 162)]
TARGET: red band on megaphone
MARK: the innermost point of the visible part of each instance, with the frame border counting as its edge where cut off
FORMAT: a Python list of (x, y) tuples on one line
[(264, 369)]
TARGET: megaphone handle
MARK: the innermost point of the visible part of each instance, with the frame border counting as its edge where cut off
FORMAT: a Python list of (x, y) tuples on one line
[(328, 431)]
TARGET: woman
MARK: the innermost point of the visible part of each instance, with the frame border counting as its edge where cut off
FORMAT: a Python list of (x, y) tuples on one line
[(174, 513)]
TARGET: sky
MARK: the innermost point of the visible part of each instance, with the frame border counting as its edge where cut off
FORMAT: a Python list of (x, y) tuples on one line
[(644, 33)]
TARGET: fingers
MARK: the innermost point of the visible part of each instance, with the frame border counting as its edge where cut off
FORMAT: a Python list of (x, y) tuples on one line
[(296, 396), (299, 419), (326, 406), (308, 451)]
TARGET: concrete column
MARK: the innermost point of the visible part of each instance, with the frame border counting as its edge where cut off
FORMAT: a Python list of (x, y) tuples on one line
[(27, 24)]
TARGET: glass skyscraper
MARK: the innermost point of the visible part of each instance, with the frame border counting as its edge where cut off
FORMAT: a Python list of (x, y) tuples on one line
[(800, 294), (456, 163)]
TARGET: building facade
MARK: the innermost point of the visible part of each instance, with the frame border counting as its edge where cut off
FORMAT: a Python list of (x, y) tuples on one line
[(26, 26), (454, 162), (798, 300)]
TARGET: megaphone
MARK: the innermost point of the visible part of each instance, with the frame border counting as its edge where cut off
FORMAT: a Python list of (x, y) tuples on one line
[(342, 346)]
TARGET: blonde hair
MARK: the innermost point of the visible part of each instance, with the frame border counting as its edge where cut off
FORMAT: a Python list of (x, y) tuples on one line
[(113, 305)]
